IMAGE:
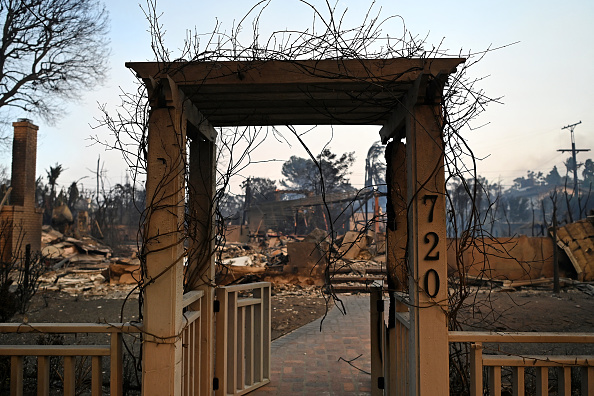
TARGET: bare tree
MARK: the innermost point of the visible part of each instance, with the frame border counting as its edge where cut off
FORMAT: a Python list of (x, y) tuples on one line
[(50, 49)]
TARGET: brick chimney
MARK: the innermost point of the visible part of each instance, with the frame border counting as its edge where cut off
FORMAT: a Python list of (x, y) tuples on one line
[(24, 158)]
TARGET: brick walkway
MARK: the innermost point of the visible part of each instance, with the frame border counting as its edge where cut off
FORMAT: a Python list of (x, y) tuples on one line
[(306, 361)]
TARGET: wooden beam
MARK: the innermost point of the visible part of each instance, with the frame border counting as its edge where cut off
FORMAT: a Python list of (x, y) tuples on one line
[(290, 72), (165, 93), (395, 123), (516, 337)]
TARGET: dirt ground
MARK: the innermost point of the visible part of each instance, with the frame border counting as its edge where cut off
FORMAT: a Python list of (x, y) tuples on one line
[(292, 307)]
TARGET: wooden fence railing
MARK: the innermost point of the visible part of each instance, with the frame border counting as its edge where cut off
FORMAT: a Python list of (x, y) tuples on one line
[(243, 338), (68, 353), (493, 363), (190, 353), (191, 344), (390, 359)]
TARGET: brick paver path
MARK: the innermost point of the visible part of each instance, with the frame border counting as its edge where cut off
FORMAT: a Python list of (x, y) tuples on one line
[(307, 361)]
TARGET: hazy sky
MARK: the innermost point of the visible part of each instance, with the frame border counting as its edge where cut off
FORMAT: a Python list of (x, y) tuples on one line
[(543, 79)]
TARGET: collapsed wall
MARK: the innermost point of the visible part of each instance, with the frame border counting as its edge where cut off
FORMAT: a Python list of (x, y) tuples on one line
[(518, 258)]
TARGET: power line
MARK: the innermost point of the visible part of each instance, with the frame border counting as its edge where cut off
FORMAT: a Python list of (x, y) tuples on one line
[(574, 152)]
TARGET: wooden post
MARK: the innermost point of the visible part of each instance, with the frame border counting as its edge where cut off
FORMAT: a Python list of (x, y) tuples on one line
[(396, 230), (116, 377), (476, 369), (396, 242), (201, 270), (164, 252), (427, 256), (377, 329)]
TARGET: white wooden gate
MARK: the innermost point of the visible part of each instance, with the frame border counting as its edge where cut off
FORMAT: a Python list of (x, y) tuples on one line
[(242, 338)]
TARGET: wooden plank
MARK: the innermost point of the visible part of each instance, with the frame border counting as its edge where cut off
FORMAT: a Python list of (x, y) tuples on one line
[(240, 357), (191, 316), (198, 379), (67, 328), (476, 369), (495, 381), (69, 376), (347, 270), (185, 358), (221, 361), (564, 381), (520, 337), (402, 110), (518, 381), (96, 376), (360, 279), (16, 376), (390, 371), (587, 381), (303, 71), (249, 345), (339, 288), (537, 360), (316, 116), (191, 296), (202, 181), (243, 302), (376, 330), (232, 343), (542, 381), (116, 375), (264, 293), (54, 350), (258, 341), (43, 375), (249, 389)]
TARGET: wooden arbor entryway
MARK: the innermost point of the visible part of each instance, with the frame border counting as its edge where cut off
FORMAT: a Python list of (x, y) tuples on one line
[(189, 100)]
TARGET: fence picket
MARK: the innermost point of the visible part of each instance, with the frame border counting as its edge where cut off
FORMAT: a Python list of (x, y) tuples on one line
[(43, 375), (96, 376), (542, 381), (564, 374), (69, 376), (495, 380)]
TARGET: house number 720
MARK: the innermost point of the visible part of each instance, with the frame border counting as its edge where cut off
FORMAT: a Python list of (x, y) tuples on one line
[(432, 255)]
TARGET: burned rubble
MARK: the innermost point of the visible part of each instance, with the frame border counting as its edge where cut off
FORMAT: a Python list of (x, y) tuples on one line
[(293, 263), (85, 267)]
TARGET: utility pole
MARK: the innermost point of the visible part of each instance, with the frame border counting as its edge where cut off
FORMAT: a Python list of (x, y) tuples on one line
[(574, 152)]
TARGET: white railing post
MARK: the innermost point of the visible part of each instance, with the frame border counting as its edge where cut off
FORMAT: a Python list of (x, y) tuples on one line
[(542, 381), (43, 375), (116, 380), (476, 369), (16, 376), (494, 381), (564, 378), (518, 381), (96, 376), (69, 376), (587, 377)]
